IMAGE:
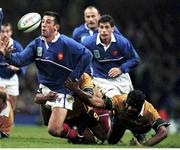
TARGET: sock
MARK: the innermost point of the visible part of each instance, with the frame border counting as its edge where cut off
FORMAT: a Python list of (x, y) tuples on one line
[(68, 132)]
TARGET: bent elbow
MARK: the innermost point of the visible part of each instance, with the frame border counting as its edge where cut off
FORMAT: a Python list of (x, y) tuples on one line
[(163, 132)]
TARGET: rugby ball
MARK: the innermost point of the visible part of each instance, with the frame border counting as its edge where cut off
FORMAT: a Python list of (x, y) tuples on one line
[(29, 22)]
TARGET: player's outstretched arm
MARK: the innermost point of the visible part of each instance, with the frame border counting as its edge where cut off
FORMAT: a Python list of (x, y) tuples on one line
[(160, 135), (41, 98), (85, 97)]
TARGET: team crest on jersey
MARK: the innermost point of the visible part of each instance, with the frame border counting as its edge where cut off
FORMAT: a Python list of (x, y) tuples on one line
[(60, 56), (96, 53), (39, 51), (115, 53)]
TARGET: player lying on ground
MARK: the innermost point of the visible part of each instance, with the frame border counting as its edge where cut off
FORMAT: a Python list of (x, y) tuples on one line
[(88, 123), (6, 115), (131, 112)]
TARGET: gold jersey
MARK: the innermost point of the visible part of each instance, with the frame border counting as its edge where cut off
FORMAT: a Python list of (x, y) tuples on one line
[(147, 117)]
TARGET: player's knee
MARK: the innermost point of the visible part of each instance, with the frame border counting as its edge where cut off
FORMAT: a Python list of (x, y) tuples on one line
[(55, 131)]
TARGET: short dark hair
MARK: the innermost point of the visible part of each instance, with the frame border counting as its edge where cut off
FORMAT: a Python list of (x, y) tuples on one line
[(106, 18), (136, 99), (7, 24), (56, 16), (3, 96), (91, 7)]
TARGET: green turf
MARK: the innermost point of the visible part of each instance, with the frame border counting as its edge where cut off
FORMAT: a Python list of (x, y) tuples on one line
[(37, 137)]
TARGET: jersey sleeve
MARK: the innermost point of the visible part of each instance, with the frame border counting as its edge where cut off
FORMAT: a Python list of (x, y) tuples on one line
[(75, 35), (86, 83), (158, 123), (132, 58), (113, 103), (24, 57), (154, 117), (18, 48), (84, 57)]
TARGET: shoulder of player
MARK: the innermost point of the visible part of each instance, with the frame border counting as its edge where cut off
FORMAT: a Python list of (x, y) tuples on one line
[(70, 43), (90, 40), (66, 40), (17, 45), (79, 29), (120, 39), (119, 99), (148, 108)]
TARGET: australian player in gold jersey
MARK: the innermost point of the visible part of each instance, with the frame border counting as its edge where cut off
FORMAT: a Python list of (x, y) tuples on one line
[(131, 111)]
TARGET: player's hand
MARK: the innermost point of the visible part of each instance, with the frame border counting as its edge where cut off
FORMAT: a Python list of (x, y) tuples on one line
[(5, 49), (14, 68), (135, 142), (51, 96), (72, 85), (114, 72)]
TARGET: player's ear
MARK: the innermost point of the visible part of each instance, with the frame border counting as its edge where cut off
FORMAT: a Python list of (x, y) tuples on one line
[(57, 27), (112, 29)]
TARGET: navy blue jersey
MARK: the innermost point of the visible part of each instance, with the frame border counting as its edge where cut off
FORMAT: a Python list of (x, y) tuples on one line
[(119, 54), (81, 32), (56, 61), (5, 72)]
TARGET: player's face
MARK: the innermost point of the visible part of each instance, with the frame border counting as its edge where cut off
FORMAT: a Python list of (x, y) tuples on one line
[(48, 26), (105, 31), (131, 111), (6, 31), (91, 17)]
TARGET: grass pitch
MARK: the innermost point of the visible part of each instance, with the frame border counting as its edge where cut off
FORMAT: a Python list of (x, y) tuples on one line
[(37, 137)]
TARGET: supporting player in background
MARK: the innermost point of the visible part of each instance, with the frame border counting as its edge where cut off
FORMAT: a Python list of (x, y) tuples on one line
[(90, 27), (114, 57), (6, 115), (9, 73), (131, 111), (57, 58)]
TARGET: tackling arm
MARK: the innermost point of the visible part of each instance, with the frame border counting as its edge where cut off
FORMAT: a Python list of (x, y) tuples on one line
[(40, 98), (160, 135), (87, 98)]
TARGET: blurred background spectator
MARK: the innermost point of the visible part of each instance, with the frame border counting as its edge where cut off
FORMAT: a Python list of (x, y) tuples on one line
[(152, 26)]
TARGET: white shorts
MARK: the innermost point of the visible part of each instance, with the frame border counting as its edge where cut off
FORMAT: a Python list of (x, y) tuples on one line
[(11, 85), (63, 100), (114, 86)]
